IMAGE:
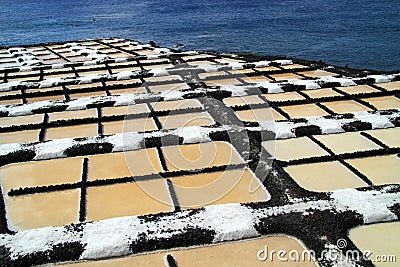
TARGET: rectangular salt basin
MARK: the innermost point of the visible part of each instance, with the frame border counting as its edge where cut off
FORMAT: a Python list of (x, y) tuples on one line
[(318, 73), (285, 77), (288, 96), (206, 75), (173, 121), (167, 87), (384, 102), (294, 148), (320, 93), (164, 78), (240, 253), (87, 95), (243, 100), (324, 176), (26, 136), (380, 239), (389, 137), (254, 79), (293, 66), (345, 106), (304, 111), (200, 156), (21, 120), (267, 69), (176, 105), (233, 186), (45, 98), (390, 86), (223, 82), (133, 90), (41, 173), (134, 125), (128, 199), (123, 164), (75, 114), (358, 89), (43, 209), (259, 114), (346, 142), (380, 169), (79, 131), (124, 110)]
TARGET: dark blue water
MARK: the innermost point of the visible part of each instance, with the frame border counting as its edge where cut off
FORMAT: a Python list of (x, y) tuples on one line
[(360, 33)]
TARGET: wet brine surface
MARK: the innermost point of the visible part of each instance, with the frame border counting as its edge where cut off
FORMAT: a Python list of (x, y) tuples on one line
[(324, 176), (232, 186), (381, 240), (255, 252)]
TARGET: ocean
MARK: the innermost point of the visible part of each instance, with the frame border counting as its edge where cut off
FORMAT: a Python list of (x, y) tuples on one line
[(358, 33)]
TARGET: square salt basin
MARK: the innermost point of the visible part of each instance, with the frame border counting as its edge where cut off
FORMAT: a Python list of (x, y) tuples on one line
[(72, 115), (199, 156), (231, 186), (324, 176), (317, 73), (345, 106), (380, 169), (41, 173), (389, 137), (128, 199), (224, 254), (321, 93), (254, 79), (285, 77), (176, 105), (259, 114), (129, 125), (346, 142), (168, 87), (380, 239), (243, 100), (125, 110), (294, 148), (304, 111), (201, 62), (43, 209), (123, 164), (27, 136), (358, 89), (21, 120), (45, 98), (133, 90), (288, 96), (390, 86), (384, 102), (78, 131), (174, 121)]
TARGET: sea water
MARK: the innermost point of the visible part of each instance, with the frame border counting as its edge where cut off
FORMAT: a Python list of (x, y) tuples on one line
[(358, 33)]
